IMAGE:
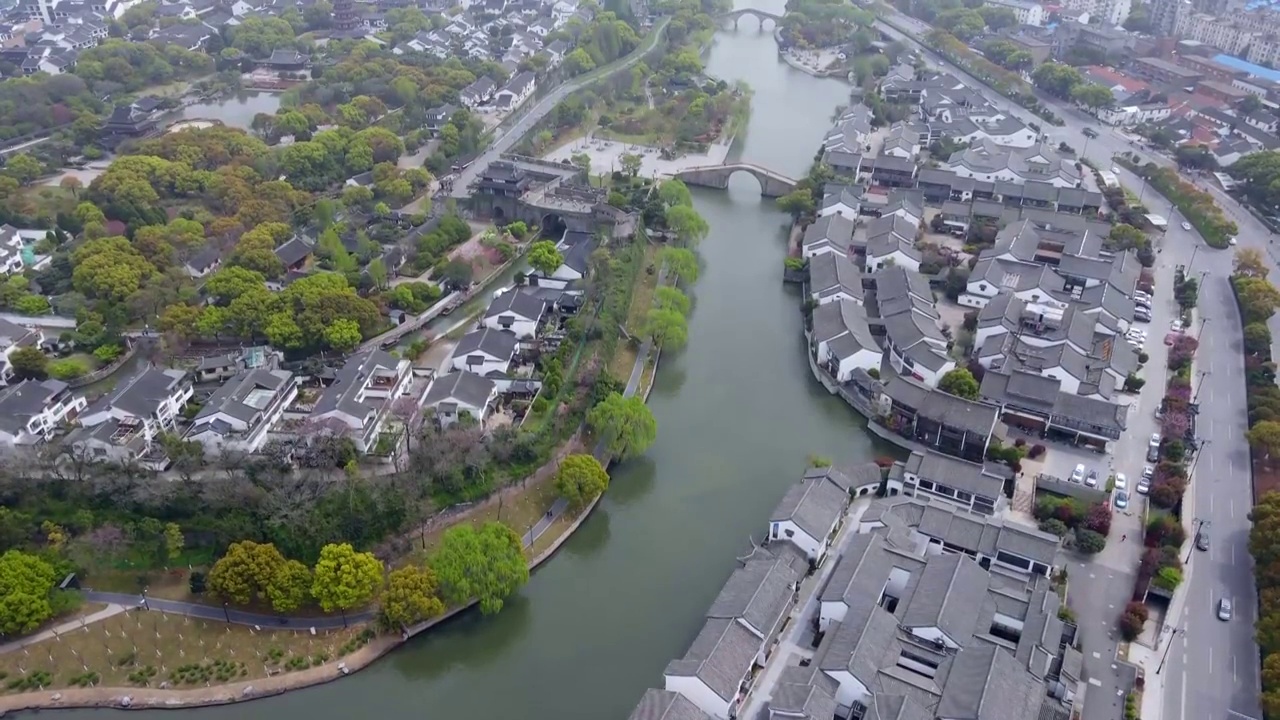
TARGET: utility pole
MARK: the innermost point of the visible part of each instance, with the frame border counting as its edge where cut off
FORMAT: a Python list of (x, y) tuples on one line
[(1195, 533), (1200, 451), (1203, 375), (1168, 644)]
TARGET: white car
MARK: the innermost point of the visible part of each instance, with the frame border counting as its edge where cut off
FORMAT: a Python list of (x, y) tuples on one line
[(1122, 482), (1176, 326), (1154, 441), (1232, 241), (1077, 475), (1186, 226)]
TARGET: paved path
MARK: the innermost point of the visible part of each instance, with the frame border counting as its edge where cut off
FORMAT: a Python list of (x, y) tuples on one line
[(63, 628)]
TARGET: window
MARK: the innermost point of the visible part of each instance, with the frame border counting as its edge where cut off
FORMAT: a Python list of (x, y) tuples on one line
[(925, 484), (789, 533), (917, 662)]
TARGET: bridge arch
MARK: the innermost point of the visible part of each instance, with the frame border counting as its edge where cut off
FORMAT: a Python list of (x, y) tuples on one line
[(772, 184), (763, 19), (553, 226)]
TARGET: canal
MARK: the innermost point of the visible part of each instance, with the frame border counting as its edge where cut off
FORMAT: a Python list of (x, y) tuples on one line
[(738, 413)]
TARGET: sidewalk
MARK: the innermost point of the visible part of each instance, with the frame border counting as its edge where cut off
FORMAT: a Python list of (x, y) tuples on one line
[(63, 629)]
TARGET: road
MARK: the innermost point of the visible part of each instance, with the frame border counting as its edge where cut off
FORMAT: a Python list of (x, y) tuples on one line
[(1212, 668), (511, 136)]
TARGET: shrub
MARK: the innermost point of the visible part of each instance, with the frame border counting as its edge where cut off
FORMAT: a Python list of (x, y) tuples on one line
[(1131, 626), (1098, 519), (1019, 442), (1089, 542), (68, 368), (1143, 357), (1037, 450), (1055, 526), (1168, 578), (1133, 383), (1164, 530), (539, 405), (1174, 450)]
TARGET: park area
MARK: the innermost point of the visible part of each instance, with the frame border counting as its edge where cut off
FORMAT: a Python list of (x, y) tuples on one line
[(137, 648)]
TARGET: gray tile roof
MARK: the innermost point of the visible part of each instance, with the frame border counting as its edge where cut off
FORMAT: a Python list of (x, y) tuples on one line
[(518, 303), (945, 408), (866, 636), (494, 343), (806, 702), (830, 274), (813, 505), (720, 656), (948, 597), (141, 394), (12, 333), (884, 706), (19, 403), (293, 251), (966, 530), (835, 229), (665, 705), (349, 380), (463, 387), (863, 568), (239, 396), (986, 683), (843, 318), (955, 473), (759, 593)]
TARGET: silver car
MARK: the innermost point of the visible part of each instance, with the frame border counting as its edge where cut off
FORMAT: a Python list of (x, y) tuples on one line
[(1224, 609)]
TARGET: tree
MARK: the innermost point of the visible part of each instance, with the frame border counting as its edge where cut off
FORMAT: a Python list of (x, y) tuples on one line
[(544, 257), (798, 203), (245, 571), (456, 275), (290, 587), (1089, 542), (631, 163), (485, 563), (625, 424), (25, 583), (669, 298), (410, 597), (687, 224), (668, 328), (581, 479), (174, 541), (1265, 436), (1249, 263), (674, 192), (344, 578), (961, 383), (343, 335), (1257, 338), (29, 363), (1092, 95), (681, 263)]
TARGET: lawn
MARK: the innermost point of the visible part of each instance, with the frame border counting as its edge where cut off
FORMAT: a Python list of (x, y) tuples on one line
[(141, 648), (624, 358)]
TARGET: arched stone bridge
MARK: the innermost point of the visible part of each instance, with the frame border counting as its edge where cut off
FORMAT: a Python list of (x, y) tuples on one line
[(772, 184), (760, 15)]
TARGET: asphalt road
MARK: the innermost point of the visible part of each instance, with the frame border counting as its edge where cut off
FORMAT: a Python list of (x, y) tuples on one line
[(511, 136), (1212, 668)]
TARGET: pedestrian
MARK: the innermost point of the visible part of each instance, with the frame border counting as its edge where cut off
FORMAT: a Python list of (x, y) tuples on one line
[(1123, 537)]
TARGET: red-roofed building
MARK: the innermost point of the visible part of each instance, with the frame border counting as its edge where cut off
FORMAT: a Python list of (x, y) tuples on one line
[(1113, 78)]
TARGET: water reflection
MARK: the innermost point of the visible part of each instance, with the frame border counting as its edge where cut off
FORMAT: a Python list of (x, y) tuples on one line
[(634, 482), (423, 659), (591, 537)]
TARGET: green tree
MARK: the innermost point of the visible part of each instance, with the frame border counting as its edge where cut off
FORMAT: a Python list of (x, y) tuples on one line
[(290, 587), (687, 224), (344, 578), (1257, 338), (631, 163), (410, 597), (245, 571), (174, 541), (798, 203), (1089, 542), (29, 363), (544, 257), (485, 563), (961, 383), (669, 298), (25, 583), (1092, 95), (668, 328), (625, 424), (681, 263), (343, 335), (581, 479), (1265, 436), (675, 192)]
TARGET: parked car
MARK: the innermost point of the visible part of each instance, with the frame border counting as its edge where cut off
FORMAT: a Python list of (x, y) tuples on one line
[(1154, 441), (1140, 316), (1202, 537), (1089, 132), (1153, 453), (1186, 225), (1122, 482), (1092, 479), (1077, 475), (1122, 500), (1232, 241), (1144, 486), (1224, 609), (1148, 472)]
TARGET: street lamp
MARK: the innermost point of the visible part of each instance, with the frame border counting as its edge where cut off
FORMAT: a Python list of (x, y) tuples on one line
[(1203, 375), (1199, 451), (1168, 644), (226, 613), (1196, 533)]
